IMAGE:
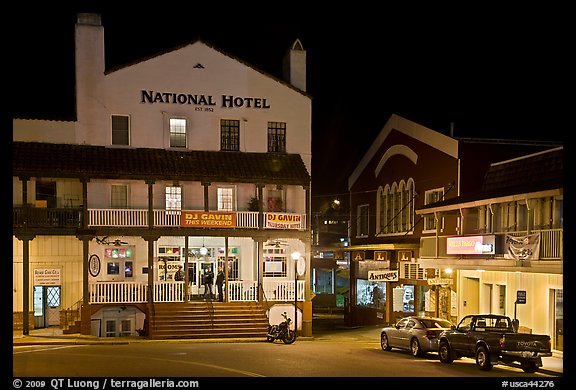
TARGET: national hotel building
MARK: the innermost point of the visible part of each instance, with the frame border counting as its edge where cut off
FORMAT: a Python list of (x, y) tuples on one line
[(190, 157)]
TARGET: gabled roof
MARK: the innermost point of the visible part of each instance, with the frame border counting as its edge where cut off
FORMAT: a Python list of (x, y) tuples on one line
[(433, 138), (211, 46), (37, 159), (541, 172)]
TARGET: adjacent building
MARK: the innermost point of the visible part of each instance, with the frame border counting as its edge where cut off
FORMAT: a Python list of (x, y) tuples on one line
[(423, 202)]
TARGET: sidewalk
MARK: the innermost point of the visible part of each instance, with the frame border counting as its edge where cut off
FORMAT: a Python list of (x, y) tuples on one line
[(325, 329)]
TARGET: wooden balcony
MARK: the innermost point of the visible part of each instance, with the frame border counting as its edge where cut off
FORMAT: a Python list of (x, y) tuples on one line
[(551, 244), (37, 217), (33, 217)]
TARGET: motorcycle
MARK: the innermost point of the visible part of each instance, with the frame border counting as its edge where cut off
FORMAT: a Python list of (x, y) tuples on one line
[(281, 331)]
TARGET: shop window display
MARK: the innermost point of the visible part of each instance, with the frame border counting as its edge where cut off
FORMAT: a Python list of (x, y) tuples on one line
[(371, 294)]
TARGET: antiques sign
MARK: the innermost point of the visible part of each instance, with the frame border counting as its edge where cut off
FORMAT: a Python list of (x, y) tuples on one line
[(383, 276)]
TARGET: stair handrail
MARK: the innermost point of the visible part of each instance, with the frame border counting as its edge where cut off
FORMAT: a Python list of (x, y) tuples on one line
[(72, 313), (210, 311), (265, 301)]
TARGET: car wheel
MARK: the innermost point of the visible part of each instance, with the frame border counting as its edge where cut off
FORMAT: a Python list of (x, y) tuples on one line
[(529, 367), (483, 358), (445, 353), (384, 342), (415, 347)]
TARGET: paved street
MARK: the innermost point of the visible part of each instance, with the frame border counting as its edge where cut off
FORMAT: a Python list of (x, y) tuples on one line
[(334, 351)]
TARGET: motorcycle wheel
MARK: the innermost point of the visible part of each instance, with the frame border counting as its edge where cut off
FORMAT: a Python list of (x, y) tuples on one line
[(290, 337)]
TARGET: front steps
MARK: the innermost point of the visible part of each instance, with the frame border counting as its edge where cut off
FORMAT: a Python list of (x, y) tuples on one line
[(207, 320)]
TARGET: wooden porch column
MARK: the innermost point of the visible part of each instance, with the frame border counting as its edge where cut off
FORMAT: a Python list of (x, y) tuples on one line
[(226, 269), (259, 268), (24, 180), (206, 184), (186, 276), (150, 203), (26, 238), (260, 189), (85, 312), (85, 215)]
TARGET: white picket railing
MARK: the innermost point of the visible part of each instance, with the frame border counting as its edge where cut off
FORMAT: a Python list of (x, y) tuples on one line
[(171, 218), (173, 291)]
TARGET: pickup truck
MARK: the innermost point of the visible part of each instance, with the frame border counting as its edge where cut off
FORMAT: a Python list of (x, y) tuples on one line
[(493, 339)]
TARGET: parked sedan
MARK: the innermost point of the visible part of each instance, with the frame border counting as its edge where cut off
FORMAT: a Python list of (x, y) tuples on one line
[(419, 335)]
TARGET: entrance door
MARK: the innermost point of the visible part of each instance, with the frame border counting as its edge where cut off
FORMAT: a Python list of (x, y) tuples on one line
[(204, 265), (39, 321), (53, 305), (471, 296), (47, 306)]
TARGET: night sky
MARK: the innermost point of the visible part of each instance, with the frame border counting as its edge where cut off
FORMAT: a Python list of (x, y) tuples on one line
[(492, 74)]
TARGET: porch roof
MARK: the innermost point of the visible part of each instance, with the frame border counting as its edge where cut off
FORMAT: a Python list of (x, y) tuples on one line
[(39, 159)]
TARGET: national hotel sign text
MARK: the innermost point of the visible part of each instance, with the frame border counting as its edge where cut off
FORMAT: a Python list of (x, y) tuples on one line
[(202, 102)]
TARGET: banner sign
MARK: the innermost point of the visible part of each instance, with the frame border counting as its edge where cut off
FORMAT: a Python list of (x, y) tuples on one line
[(383, 276), (470, 245), (208, 219), (522, 247), (283, 221)]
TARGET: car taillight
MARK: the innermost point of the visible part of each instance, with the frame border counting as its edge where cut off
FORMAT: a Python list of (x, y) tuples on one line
[(431, 334), (501, 342)]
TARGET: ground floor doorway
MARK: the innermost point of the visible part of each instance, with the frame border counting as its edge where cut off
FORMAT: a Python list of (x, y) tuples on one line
[(47, 306)]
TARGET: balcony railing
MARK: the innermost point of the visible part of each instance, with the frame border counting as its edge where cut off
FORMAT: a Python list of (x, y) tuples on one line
[(550, 244), (171, 218), (173, 291), (46, 217), (138, 218)]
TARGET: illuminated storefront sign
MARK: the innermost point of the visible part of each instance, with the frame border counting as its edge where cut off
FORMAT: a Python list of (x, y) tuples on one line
[(283, 221), (386, 276), (207, 219), (470, 245)]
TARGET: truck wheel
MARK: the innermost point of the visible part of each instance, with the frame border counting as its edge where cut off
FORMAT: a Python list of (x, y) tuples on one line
[(384, 342), (445, 353), (529, 367), (415, 347), (483, 358)]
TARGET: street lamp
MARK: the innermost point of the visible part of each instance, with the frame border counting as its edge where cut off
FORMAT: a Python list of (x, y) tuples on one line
[(295, 257)]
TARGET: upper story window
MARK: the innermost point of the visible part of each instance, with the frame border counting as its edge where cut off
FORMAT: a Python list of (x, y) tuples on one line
[(362, 220), (229, 134), (177, 133), (226, 199), (119, 196), (432, 196), (174, 198), (275, 201), (120, 130), (277, 137), (395, 208)]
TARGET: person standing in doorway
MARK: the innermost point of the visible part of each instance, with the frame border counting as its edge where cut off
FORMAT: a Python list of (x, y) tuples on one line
[(179, 276), (208, 282), (219, 283)]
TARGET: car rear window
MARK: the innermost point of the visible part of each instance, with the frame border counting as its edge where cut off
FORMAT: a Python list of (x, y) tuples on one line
[(436, 323)]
